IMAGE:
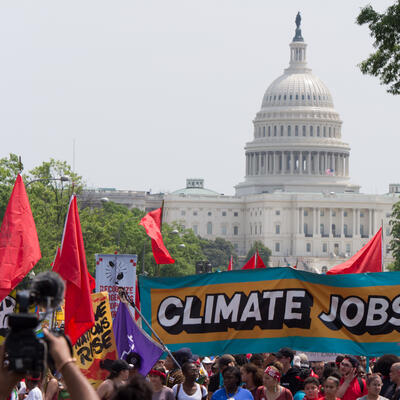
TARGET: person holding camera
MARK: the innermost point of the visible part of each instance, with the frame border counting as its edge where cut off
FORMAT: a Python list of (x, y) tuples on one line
[(79, 387)]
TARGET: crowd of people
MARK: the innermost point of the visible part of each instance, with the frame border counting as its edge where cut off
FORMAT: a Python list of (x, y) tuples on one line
[(283, 375)]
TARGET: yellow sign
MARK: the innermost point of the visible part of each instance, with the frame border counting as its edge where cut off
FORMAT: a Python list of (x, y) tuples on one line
[(98, 344)]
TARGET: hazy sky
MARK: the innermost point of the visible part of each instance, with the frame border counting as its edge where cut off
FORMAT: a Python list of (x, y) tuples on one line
[(157, 91)]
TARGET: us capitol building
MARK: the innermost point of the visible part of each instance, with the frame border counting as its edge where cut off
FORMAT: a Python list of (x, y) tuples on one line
[(296, 197)]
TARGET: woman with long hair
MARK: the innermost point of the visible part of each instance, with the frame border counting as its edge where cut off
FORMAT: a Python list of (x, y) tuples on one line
[(272, 390), (374, 386), (331, 386), (251, 377), (118, 376)]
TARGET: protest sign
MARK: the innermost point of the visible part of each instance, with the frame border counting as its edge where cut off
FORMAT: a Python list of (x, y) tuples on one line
[(262, 310), (98, 344), (114, 271), (6, 307)]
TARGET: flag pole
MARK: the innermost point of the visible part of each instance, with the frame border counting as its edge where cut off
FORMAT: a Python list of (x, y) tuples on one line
[(124, 297), (382, 250)]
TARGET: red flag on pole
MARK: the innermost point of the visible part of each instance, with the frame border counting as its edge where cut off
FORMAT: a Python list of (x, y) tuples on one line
[(368, 259), (152, 223), (230, 266), (251, 264), (71, 265), (19, 243), (260, 262), (137, 299)]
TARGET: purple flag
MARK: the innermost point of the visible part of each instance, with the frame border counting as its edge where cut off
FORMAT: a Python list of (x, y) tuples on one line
[(129, 337)]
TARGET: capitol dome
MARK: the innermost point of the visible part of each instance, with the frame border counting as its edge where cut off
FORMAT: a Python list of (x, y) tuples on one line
[(297, 144)]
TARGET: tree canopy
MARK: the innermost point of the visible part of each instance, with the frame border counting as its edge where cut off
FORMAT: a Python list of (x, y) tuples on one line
[(384, 28), (106, 229)]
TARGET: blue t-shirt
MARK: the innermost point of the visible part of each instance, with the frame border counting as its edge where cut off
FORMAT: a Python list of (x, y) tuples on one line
[(299, 395), (241, 394)]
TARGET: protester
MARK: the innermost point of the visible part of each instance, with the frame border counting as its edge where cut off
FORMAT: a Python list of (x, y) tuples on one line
[(289, 378), (394, 375), (318, 368), (137, 388), (60, 352), (252, 377), (157, 378), (382, 367), (50, 387), (304, 374), (331, 386), (374, 386), (351, 386), (208, 363), (231, 389), (216, 381), (272, 390), (118, 376), (311, 388), (135, 361), (32, 384), (175, 374), (189, 389), (258, 359)]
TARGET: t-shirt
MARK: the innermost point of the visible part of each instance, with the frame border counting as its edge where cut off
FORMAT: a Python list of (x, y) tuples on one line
[(241, 394), (35, 394), (291, 380), (379, 398), (353, 391), (200, 392), (285, 394), (165, 393)]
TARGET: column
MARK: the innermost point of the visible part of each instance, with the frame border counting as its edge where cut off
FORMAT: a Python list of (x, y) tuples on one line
[(330, 222), (247, 164), (315, 230), (326, 161), (369, 222), (292, 162), (259, 163), (301, 163), (274, 161), (317, 164), (342, 222), (318, 221), (347, 165), (309, 163), (353, 232), (301, 220), (357, 221)]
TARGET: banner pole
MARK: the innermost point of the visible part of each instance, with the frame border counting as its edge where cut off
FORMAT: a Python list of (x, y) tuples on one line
[(123, 295)]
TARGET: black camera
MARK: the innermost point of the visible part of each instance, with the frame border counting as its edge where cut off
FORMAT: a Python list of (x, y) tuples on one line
[(25, 352)]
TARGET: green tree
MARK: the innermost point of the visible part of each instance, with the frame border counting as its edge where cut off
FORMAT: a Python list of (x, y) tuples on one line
[(263, 251), (395, 232), (385, 30), (9, 169), (218, 252)]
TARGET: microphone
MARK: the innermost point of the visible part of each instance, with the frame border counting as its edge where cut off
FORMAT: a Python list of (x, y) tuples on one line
[(47, 289)]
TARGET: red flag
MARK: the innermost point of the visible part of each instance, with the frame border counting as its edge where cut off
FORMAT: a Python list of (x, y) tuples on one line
[(71, 265), (137, 299), (368, 259), (230, 266), (251, 264), (152, 223), (260, 262), (19, 243)]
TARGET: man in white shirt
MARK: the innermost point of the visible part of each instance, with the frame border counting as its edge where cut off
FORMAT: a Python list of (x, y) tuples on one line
[(32, 383)]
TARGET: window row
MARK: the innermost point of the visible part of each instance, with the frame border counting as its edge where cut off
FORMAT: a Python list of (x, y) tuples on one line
[(210, 229), (296, 130), (297, 96), (209, 213)]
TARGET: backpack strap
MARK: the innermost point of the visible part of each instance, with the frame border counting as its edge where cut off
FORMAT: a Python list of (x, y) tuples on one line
[(177, 390), (361, 383), (203, 392)]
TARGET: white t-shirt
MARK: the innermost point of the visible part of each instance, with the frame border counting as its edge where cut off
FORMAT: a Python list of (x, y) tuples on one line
[(35, 394), (200, 392)]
